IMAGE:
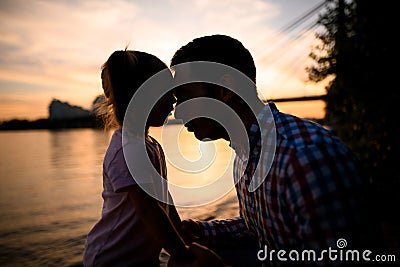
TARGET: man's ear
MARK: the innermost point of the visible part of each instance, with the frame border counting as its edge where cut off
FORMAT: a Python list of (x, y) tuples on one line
[(229, 83)]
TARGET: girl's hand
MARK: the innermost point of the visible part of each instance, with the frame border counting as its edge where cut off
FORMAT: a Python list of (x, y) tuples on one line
[(202, 256), (190, 231), (182, 256)]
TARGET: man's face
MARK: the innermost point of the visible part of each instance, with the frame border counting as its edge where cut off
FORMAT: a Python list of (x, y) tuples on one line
[(202, 127)]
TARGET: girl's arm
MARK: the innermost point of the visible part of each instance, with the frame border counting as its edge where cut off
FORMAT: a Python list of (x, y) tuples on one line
[(158, 223), (173, 214)]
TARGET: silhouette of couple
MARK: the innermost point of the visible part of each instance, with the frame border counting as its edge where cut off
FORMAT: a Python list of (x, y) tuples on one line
[(298, 186)]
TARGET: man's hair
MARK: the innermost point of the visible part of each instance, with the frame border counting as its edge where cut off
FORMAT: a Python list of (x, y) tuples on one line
[(220, 49)]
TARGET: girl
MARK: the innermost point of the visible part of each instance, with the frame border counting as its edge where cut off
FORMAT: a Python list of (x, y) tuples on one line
[(134, 226)]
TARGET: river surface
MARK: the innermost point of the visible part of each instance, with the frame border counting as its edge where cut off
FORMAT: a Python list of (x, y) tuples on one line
[(51, 184)]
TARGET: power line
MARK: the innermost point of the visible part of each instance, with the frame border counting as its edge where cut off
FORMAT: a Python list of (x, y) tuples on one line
[(303, 17), (289, 42), (279, 41)]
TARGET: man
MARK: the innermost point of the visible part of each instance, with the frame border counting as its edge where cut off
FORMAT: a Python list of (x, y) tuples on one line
[(309, 193)]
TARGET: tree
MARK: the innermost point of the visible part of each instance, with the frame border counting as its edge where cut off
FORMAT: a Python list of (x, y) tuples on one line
[(357, 49)]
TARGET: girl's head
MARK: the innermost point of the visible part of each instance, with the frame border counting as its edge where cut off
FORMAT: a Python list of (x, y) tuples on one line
[(122, 75)]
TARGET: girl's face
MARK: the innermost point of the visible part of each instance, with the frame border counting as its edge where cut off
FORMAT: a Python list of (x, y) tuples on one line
[(161, 110)]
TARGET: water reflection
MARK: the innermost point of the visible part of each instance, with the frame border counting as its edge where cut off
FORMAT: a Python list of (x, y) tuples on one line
[(50, 192), (77, 152), (200, 172)]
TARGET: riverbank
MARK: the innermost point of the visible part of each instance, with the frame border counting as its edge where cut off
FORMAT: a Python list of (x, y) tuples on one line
[(84, 122)]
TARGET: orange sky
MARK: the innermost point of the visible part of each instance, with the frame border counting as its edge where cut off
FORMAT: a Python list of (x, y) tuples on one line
[(54, 49)]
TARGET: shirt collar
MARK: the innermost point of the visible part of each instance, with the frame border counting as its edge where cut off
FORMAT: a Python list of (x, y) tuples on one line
[(254, 131)]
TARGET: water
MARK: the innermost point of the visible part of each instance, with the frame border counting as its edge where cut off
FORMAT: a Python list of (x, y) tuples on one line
[(51, 183)]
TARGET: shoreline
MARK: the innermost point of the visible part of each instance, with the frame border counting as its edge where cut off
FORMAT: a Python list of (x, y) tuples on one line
[(51, 124)]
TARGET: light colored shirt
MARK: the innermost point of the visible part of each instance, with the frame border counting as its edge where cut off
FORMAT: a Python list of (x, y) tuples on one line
[(119, 238)]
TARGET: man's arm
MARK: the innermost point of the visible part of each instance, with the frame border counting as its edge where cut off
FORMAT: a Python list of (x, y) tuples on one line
[(216, 232)]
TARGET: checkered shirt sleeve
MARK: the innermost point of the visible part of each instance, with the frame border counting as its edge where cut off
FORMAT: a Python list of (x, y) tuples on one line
[(228, 231)]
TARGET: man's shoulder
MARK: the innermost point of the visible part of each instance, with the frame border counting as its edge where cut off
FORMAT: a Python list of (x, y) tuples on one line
[(300, 132)]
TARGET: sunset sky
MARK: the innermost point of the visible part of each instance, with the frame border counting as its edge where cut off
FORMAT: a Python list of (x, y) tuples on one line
[(54, 49)]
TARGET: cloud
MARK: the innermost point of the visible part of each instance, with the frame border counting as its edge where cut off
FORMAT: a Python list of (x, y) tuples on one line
[(62, 44)]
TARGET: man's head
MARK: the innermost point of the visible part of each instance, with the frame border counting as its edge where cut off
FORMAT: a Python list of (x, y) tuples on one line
[(220, 49), (223, 50)]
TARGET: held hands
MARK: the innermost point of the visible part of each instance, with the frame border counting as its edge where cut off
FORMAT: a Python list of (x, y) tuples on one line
[(202, 257), (190, 231)]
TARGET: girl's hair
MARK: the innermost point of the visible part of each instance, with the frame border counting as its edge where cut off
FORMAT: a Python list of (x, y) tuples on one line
[(122, 75)]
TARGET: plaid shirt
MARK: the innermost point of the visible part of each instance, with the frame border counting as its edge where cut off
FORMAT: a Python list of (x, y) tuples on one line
[(309, 198)]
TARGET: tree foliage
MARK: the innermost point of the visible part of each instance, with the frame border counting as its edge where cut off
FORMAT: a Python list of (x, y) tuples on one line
[(356, 47)]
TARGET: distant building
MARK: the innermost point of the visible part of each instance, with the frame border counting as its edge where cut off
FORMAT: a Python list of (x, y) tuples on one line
[(97, 103), (64, 111)]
